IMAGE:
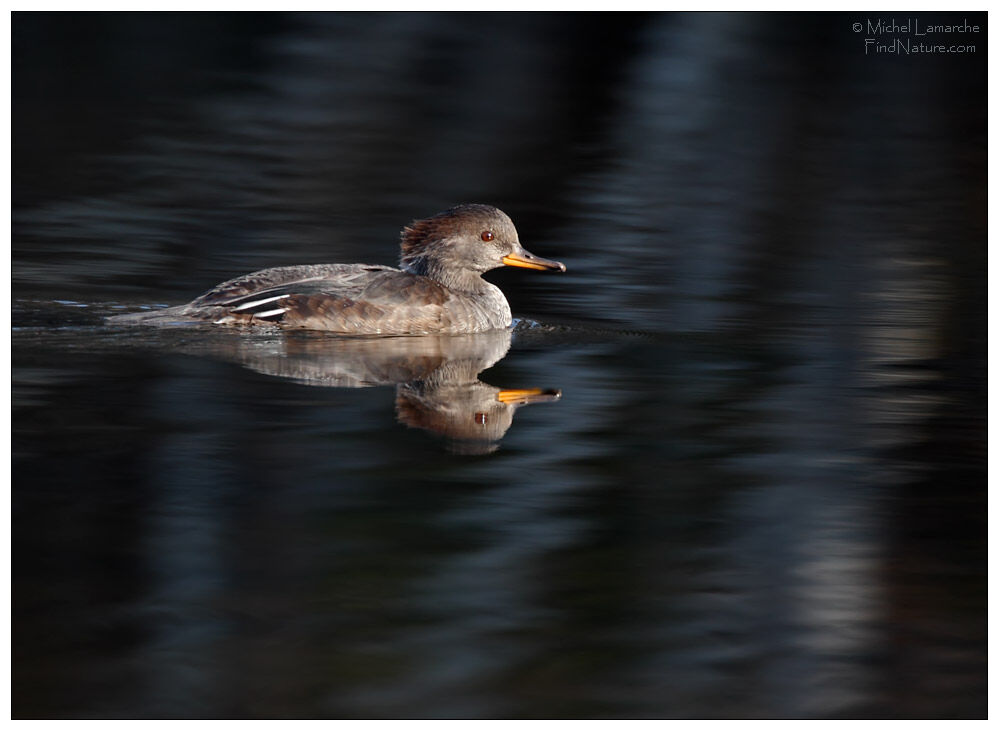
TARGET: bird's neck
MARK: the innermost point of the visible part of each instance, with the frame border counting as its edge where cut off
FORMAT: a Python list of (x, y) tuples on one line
[(458, 280)]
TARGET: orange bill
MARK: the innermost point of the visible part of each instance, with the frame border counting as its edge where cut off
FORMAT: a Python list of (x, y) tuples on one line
[(528, 395), (527, 260)]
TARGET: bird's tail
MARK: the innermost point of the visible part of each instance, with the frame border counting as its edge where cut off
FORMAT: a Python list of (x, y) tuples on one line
[(166, 317)]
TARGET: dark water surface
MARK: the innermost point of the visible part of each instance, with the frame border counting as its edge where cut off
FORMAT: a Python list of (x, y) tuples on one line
[(751, 481)]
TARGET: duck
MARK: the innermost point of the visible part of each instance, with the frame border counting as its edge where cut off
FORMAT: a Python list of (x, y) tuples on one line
[(437, 289)]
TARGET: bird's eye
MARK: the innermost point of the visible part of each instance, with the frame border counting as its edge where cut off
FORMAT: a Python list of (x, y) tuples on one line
[(487, 235)]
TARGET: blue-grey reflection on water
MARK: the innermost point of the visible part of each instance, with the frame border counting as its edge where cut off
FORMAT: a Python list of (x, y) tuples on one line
[(762, 492)]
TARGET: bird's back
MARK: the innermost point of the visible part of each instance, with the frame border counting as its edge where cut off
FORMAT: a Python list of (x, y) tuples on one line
[(342, 298)]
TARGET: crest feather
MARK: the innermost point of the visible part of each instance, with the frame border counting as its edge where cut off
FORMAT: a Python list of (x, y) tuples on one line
[(416, 234), (436, 228)]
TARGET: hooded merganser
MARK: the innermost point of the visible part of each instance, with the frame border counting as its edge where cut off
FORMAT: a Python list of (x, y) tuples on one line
[(437, 289)]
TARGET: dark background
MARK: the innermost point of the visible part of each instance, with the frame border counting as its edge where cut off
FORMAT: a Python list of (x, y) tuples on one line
[(763, 493)]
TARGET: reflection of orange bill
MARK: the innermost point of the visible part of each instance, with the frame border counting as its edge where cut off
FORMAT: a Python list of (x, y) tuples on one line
[(530, 261), (527, 395)]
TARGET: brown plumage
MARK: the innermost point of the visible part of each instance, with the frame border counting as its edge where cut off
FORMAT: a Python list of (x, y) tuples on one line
[(438, 289)]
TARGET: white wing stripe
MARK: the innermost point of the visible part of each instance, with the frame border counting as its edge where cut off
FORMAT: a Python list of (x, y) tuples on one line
[(257, 303), (278, 311)]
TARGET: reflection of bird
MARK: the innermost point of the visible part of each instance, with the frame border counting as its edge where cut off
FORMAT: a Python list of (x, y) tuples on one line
[(473, 416), (436, 377), (439, 288), (320, 360)]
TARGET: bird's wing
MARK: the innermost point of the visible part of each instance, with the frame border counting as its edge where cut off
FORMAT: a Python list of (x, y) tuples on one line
[(281, 281), (355, 299)]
